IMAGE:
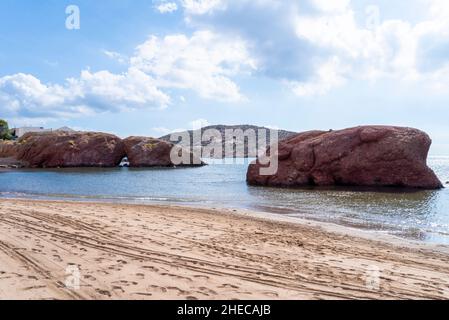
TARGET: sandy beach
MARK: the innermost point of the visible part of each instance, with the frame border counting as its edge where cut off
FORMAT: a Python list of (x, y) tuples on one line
[(168, 252)]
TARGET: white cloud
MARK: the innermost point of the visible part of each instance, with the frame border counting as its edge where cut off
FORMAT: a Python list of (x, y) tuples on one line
[(116, 56), (313, 46), (387, 50), (163, 131), (167, 7), (199, 123), (130, 90), (334, 5), (204, 63), (294, 40), (25, 96), (328, 76), (390, 50), (199, 7), (438, 9)]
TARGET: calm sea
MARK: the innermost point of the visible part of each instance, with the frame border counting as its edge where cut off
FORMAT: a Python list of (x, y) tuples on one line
[(422, 215)]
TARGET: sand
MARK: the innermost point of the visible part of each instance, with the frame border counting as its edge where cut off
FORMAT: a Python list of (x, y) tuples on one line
[(168, 252)]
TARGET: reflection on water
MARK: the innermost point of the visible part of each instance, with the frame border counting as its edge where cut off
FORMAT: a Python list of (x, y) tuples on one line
[(421, 215), (394, 212)]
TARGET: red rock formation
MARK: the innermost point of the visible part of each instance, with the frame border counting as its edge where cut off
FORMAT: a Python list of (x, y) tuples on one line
[(150, 152), (7, 149), (63, 149), (88, 149), (362, 156)]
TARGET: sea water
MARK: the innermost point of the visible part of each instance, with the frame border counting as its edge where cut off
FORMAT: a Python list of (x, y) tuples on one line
[(419, 215)]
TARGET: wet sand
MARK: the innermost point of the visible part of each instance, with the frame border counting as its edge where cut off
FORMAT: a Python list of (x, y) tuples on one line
[(168, 252)]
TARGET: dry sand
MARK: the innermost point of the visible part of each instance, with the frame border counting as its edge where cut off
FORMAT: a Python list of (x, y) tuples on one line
[(165, 252)]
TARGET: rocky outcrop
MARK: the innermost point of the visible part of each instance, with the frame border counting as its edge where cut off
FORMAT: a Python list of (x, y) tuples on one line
[(60, 149), (150, 152), (8, 152), (64, 149), (7, 149), (376, 156)]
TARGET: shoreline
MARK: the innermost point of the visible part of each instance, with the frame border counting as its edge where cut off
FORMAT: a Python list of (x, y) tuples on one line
[(362, 232), (137, 251)]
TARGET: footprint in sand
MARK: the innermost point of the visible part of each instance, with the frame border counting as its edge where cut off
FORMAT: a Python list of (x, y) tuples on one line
[(103, 292), (176, 276), (179, 291), (123, 282), (157, 289), (228, 286), (89, 277), (201, 277), (57, 258), (143, 294), (207, 291), (151, 268), (115, 268), (34, 288), (118, 288)]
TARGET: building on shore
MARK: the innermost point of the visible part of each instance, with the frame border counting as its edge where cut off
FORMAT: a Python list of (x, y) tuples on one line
[(19, 132)]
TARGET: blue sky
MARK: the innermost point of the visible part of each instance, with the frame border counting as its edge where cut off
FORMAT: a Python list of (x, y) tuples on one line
[(142, 67)]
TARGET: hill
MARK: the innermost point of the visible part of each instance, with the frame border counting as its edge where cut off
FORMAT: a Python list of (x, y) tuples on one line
[(243, 145)]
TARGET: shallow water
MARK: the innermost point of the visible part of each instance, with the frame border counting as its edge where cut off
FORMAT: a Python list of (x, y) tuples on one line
[(421, 215)]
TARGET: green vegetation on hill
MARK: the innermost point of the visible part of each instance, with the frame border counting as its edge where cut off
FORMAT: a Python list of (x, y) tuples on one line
[(5, 134)]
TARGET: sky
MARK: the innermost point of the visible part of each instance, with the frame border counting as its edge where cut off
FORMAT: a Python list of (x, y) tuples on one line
[(143, 67)]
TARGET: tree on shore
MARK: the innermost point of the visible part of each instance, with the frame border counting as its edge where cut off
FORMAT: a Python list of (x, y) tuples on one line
[(5, 134)]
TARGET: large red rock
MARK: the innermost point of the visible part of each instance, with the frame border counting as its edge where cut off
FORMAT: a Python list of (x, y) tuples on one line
[(376, 156), (64, 149), (150, 152), (7, 149)]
